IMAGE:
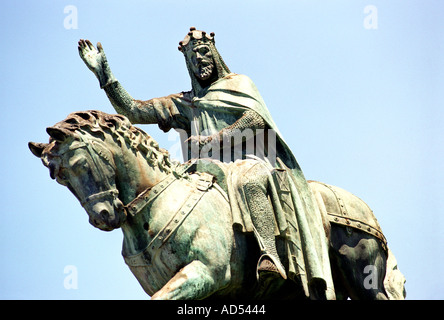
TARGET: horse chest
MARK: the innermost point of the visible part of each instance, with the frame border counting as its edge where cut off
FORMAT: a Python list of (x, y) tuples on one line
[(160, 260), (169, 203)]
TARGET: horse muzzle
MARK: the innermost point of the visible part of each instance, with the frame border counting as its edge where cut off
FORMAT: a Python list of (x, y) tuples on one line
[(106, 212)]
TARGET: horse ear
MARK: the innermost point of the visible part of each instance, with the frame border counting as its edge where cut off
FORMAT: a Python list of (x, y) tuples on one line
[(37, 148), (58, 134)]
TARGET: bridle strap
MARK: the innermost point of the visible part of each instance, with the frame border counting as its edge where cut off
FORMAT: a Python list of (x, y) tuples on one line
[(104, 194), (145, 197), (109, 189), (92, 151)]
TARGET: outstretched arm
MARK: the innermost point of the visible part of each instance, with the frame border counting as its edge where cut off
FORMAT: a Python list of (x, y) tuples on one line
[(135, 110), (96, 61)]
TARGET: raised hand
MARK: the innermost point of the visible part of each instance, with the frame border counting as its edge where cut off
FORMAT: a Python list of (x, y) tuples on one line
[(96, 61)]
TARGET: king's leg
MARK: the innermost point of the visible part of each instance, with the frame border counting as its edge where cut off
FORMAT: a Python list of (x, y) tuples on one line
[(254, 185)]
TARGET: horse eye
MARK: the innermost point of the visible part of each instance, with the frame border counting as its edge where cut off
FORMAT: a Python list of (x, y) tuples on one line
[(62, 175), (79, 164)]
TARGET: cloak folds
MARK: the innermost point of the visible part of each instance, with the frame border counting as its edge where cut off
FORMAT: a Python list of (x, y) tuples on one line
[(209, 108), (219, 106)]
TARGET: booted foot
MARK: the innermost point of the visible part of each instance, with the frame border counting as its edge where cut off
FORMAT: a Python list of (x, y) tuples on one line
[(267, 265), (267, 268)]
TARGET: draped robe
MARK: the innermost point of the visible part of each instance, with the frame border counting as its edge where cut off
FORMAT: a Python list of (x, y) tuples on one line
[(220, 105)]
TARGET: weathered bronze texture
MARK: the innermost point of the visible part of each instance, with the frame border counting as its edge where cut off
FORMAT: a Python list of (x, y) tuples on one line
[(183, 240), (238, 218)]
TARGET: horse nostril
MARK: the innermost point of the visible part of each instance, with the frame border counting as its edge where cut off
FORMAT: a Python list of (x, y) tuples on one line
[(104, 214)]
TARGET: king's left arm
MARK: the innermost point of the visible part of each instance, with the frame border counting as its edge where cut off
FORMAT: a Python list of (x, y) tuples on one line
[(249, 120)]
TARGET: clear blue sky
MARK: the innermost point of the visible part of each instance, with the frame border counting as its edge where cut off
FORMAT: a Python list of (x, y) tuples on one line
[(361, 109)]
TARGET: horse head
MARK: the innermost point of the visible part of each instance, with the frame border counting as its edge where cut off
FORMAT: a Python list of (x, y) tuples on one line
[(85, 165), (104, 161)]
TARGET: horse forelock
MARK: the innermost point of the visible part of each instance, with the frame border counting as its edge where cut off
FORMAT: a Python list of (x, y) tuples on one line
[(94, 120)]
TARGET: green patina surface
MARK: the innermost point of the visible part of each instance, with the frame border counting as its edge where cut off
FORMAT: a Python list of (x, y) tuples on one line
[(238, 219)]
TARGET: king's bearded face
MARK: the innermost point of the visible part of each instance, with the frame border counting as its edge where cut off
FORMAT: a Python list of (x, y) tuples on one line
[(201, 61)]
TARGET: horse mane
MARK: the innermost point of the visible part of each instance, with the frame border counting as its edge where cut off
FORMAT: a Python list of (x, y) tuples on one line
[(97, 124)]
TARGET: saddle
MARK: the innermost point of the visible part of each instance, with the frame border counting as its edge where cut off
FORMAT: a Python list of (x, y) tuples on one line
[(344, 208), (286, 225)]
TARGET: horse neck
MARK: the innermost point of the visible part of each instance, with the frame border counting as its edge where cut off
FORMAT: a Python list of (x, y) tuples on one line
[(134, 174)]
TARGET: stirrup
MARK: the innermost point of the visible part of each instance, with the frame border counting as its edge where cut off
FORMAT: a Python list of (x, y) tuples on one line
[(268, 263)]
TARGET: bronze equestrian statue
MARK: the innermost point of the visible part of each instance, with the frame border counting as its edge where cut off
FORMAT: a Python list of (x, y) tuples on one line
[(306, 235)]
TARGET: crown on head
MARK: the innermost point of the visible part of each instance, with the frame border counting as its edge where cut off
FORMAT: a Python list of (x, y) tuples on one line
[(195, 38)]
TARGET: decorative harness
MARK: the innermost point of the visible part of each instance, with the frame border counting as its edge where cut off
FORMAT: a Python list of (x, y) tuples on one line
[(203, 183), (110, 190)]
